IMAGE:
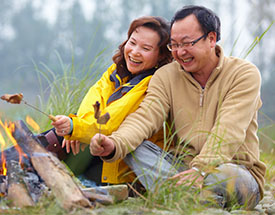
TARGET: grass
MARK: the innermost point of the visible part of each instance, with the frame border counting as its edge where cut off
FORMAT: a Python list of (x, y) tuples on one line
[(269, 160), (181, 199), (46, 206), (62, 89), (65, 90)]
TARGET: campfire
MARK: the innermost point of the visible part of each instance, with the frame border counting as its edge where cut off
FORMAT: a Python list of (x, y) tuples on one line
[(15, 160), (28, 171)]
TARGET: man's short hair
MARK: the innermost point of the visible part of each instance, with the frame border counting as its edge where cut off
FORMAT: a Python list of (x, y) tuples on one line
[(208, 20)]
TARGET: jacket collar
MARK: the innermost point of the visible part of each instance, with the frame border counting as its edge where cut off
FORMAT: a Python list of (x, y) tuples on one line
[(120, 89)]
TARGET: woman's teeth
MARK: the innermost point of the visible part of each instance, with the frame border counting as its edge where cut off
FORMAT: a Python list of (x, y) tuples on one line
[(135, 61)]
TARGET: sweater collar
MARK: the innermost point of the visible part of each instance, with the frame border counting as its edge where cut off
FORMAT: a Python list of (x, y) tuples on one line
[(217, 70), (214, 73), (220, 54)]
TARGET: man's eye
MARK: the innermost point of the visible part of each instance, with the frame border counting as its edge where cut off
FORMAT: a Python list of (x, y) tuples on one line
[(186, 44), (175, 45)]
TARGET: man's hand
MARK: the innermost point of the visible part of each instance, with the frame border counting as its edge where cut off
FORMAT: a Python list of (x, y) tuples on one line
[(101, 145), (74, 145), (189, 177)]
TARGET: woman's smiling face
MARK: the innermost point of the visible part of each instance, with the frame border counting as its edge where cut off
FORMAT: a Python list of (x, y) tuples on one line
[(141, 52)]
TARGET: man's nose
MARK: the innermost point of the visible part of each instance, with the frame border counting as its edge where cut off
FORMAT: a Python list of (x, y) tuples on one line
[(181, 51)]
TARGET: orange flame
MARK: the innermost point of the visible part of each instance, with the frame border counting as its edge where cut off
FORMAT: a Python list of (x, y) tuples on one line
[(3, 159), (32, 123), (9, 128)]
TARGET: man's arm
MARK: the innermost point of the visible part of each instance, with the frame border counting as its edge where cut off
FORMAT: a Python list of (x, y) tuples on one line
[(146, 121)]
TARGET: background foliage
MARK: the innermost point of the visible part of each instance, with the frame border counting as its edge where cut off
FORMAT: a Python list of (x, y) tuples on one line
[(32, 31), (53, 35)]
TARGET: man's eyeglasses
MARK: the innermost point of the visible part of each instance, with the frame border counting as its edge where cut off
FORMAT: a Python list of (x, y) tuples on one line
[(175, 46)]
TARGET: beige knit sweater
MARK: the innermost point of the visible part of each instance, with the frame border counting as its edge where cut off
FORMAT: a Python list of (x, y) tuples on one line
[(214, 125)]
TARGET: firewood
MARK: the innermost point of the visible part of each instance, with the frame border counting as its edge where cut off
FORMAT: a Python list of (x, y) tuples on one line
[(18, 193), (101, 198), (50, 169), (118, 192)]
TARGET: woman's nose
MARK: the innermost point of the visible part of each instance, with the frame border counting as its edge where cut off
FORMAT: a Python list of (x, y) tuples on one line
[(136, 51)]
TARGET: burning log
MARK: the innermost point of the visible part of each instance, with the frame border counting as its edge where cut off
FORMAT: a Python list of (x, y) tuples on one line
[(50, 169), (17, 189)]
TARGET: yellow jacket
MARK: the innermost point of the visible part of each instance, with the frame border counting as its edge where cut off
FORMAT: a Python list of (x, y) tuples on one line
[(85, 125)]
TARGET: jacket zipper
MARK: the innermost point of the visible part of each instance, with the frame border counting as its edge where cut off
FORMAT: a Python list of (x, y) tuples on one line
[(201, 97)]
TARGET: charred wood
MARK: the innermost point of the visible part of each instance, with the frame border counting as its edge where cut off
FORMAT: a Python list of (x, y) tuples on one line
[(50, 169), (18, 193)]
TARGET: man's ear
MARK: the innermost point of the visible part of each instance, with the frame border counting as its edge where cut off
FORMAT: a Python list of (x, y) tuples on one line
[(212, 36)]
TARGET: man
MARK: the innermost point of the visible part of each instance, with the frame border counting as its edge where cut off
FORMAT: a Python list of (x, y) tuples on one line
[(212, 101)]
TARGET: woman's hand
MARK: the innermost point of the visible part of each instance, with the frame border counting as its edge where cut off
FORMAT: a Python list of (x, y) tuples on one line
[(101, 145), (74, 145), (62, 125)]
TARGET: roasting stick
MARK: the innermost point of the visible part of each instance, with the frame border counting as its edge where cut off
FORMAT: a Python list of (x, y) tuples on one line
[(51, 117), (18, 98), (100, 119)]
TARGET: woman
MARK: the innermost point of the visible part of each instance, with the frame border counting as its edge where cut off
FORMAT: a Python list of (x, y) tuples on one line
[(119, 91)]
